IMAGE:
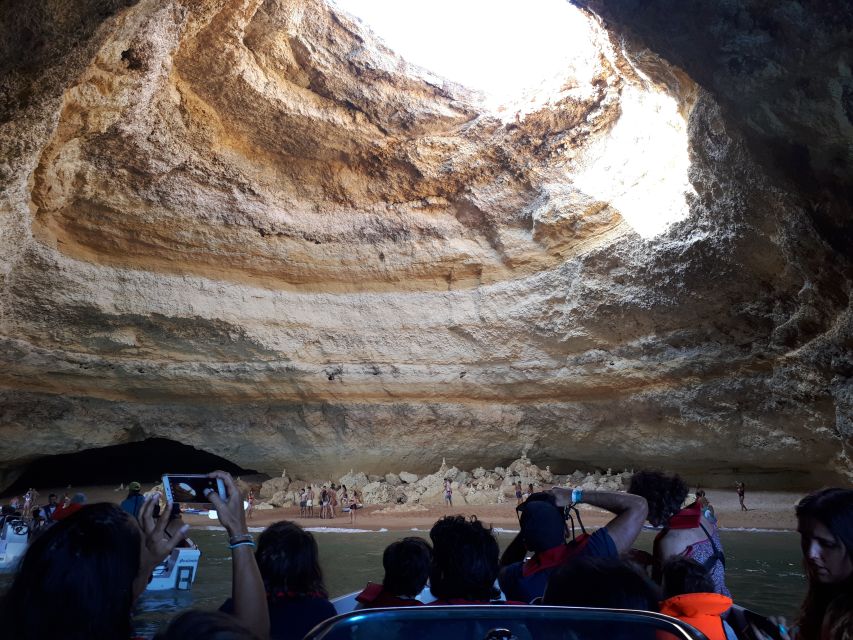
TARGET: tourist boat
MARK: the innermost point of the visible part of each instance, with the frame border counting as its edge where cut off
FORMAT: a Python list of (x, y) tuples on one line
[(178, 571), (349, 620), (13, 543), (475, 622)]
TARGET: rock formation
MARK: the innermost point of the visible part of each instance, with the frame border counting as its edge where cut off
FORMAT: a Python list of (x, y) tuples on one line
[(248, 226)]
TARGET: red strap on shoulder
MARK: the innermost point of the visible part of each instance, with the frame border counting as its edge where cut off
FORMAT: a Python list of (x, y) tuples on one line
[(371, 592), (688, 518), (554, 557)]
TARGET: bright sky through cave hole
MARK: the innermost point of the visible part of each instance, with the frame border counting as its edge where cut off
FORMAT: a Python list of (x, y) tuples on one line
[(522, 55), (499, 47)]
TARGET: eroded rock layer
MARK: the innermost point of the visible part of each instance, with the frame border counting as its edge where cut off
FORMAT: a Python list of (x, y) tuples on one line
[(250, 227)]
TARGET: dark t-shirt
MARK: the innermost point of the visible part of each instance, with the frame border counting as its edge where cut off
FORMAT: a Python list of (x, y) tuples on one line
[(293, 617), (516, 586)]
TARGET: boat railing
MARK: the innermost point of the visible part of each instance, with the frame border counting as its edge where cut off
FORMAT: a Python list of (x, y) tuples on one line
[(503, 622)]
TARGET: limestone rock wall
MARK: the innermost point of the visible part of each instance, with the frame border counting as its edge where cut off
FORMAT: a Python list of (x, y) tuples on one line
[(249, 227)]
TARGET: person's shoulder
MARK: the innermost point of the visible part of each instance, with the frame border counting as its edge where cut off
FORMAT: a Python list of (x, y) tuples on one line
[(600, 543)]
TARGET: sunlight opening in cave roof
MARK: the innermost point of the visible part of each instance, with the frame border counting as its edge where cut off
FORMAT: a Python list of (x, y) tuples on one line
[(513, 52), (521, 56)]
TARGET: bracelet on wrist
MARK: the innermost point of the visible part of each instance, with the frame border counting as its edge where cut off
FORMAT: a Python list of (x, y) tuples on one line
[(244, 543), (244, 537)]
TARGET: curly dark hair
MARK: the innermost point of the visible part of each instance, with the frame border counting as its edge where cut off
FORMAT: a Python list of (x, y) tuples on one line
[(664, 493), (464, 559), (289, 560)]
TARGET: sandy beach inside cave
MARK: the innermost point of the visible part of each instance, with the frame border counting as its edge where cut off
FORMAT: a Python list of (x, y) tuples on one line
[(767, 510)]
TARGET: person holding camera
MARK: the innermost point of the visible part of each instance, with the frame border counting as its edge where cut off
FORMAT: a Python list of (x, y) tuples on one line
[(544, 532)]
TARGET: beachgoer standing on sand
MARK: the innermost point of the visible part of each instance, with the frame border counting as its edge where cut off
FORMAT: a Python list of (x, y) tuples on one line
[(741, 492), (324, 502), (251, 500), (354, 504), (333, 500), (310, 502), (517, 486), (448, 493)]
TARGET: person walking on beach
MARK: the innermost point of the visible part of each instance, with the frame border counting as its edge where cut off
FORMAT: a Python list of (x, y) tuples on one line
[(448, 493), (303, 502), (741, 492), (517, 486)]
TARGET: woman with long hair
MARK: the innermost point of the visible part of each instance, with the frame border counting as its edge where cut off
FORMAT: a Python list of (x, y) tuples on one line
[(86, 568), (289, 562), (825, 525), (90, 567)]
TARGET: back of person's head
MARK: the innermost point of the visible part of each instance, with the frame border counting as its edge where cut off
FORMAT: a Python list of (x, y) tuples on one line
[(205, 625), (464, 559), (601, 582), (289, 560), (700, 493), (82, 569), (684, 575), (407, 563), (664, 493), (542, 523), (78, 498)]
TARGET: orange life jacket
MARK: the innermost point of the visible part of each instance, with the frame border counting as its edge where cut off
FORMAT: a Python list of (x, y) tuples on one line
[(701, 610)]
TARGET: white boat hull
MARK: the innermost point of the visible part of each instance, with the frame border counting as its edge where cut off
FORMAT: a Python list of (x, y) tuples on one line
[(178, 571)]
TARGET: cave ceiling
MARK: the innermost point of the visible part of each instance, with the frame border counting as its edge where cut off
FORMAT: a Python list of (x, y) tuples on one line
[(251, 227)]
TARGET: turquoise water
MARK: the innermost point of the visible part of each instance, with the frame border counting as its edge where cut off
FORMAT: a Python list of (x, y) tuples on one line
[(763, 570)]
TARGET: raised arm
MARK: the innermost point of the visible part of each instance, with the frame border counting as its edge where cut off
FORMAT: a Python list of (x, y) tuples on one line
[(247, 586), (631, 512)]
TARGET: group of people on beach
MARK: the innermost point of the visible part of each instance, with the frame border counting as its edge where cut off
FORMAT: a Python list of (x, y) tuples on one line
[(328, 498), (94, 563)]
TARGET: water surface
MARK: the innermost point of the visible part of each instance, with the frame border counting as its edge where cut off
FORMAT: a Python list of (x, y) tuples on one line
[(763, 570)]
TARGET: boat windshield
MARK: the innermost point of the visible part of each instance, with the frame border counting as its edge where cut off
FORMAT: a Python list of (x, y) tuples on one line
[(503, 623)]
